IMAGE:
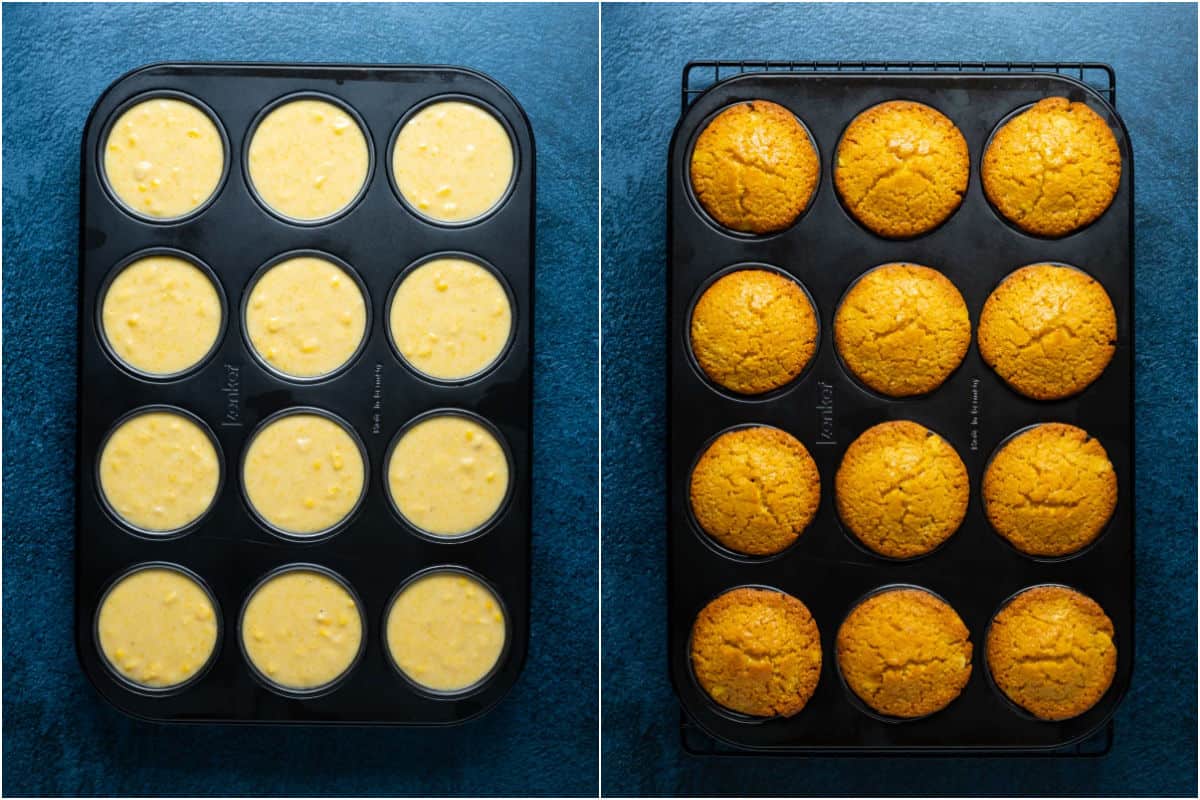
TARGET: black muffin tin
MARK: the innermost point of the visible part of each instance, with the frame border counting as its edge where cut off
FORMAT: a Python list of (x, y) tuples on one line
[(232, 393), (976, 571)]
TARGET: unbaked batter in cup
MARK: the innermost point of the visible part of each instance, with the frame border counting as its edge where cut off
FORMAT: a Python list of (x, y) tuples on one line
[(306, 316), (452, 161), (450, 318), (446, 631), (161, 315), (308, 159), (157, 627), (301, 629), (164, 158), (448, 475), (159, 471), (303, 473)]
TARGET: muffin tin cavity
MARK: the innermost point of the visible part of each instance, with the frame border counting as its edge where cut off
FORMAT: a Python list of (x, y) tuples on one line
[(165, 156), (453, 160), (450, 317), (289, 391), (309, 159), (162, 313), (306, 315), (841, 402), (158, 627), (446, 631)]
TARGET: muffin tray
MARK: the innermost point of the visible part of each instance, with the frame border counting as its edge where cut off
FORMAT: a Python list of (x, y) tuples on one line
[(377, 394), (976, 571)]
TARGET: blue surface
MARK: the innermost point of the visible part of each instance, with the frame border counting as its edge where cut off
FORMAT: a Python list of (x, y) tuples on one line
[(59, 736), (644, 50)]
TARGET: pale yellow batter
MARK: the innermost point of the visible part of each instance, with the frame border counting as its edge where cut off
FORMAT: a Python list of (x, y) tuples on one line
[(452, 161), (303, 473), (157, 627), (450, 318), (164, 158), (301, 629), (159, 471), (306, 317), (446, 631), (448, 475), (161, 315), (308, 159)]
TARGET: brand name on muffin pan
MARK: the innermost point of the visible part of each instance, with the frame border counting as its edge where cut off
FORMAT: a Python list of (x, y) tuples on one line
[(231, 387), (825, 433)]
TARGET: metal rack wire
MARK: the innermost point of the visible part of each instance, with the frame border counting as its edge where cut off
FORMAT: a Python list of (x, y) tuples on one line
[(699, 76)]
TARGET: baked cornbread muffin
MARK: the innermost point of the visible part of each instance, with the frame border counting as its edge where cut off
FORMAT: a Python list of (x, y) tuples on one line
[(754, 330), (1050, 490), (904, 652), (901, 489), (754, 167), (1051, 651), (755, 490), (902, 168), (1048, 331), (757, 652), (1052, 169), (902, 329)]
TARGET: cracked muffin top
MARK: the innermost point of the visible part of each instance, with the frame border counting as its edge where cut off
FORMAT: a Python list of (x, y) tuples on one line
[(902, 489), (1052, 169), (754, 167), (1051, 490), (755, 490), (753, 330), (904, 652), (902, 168), (1048, 331), (757, 652), (1051, 651), (902, 329)]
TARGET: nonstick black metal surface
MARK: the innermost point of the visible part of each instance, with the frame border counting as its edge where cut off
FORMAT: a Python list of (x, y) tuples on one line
[(376, 552), (826, 409)]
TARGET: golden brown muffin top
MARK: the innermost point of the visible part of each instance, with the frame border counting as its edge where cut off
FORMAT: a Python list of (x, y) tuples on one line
[(1052, 169), (1051, 651), (1050, 490), (755, 490), (902, 489), (902, 329), (753, 330), (1048, 331), (757, 652), (902, 168), (754, 167), (904, 652)]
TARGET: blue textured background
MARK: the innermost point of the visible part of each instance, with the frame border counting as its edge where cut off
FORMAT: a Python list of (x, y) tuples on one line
[(644, 50), (59, 736)]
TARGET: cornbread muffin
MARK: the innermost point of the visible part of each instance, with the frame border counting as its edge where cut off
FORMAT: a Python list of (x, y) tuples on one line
[(755, 490), (1053, 169), (902, 329), (757, 652), (902, 168), (904, 652), (902, 489), (1051, 651), (754, 167), (1048, 331), (1050, 490), (754, 330)]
